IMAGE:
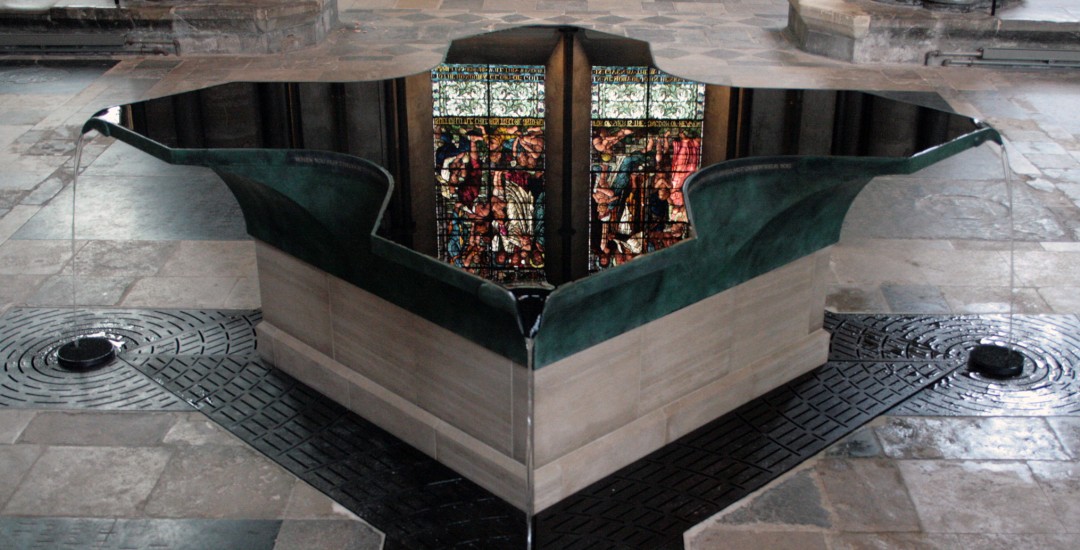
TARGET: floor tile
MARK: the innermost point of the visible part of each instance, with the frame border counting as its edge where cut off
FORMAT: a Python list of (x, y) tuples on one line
[(1047, 269), (244, 295), (860, 444), (914, 298), (15, 462), (322, 533), (141, 208), (24, 172), (14, 219), (1004, 246), (950, 207), (978, 497), (98, 429), (948, 541), (998, 438), (195, 429), (739, 539), (12, 423), (867, 495), (793, 501), (123, 258), (1011, 542), (211, 259), (1062, 299), (964, 267), (55, 533), (883, 541), (200, 292), (58, 290), (128, 534), (306, 502), (34, 257), (17, 289), (1061, 482), (193, 534), (89, 482), (859, 266), (980, 300), (220, 482), (1067, 429), (855, 299)]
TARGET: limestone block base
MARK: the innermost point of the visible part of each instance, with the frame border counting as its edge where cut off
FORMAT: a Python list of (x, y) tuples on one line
[(593, 412), (607, 406)]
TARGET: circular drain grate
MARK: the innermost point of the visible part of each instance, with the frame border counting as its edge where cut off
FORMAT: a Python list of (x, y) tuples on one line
[(32, 376), (36, 379), (995, 361), (1047, 385), (86, 354)]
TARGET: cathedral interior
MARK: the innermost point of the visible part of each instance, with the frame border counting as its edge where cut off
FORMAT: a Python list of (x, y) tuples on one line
[(537, 150)]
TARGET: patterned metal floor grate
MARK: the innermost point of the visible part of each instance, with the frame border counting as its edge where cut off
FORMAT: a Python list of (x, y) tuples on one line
[(1050, 345), (29, 338), (415, 501), (204, 359), (650, 503)]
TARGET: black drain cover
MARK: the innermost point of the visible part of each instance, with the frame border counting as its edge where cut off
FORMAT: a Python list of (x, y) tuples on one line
[(86, 354), (996, 361)]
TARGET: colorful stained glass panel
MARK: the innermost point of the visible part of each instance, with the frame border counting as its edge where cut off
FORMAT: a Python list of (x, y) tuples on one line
[(489, 169), (646, 140)]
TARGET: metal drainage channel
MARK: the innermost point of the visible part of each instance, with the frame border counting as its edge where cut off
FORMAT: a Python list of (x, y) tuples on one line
[(1007, 57), (1048, 384), (32, 378), (205, 360)]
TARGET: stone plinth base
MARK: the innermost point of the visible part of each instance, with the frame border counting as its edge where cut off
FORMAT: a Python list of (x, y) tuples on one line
[(171, 26), (864, 31), (593, 412)]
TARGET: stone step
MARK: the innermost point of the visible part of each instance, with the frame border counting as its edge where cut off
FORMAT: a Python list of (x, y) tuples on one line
[(866, 31), (169, 26)]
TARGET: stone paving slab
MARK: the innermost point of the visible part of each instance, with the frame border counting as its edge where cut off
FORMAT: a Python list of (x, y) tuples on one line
[(97, 429), (944, 493), (936, 490), (851, 484), (58, 483), (153, 464), (994, 438), (125, 534), (209, 481)]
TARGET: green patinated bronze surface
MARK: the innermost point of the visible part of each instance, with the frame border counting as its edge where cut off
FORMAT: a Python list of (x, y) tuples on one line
[(323, 208), (750, 216)]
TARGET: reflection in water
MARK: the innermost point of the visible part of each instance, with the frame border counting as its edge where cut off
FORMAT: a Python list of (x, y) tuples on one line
[(490, 169), (489, 158), (646, 140)]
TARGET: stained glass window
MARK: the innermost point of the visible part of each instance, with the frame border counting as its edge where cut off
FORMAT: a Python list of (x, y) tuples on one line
[(489, 169), (646, 139)]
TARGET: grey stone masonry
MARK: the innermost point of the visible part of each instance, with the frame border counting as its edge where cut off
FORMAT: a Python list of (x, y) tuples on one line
[(168, 26)]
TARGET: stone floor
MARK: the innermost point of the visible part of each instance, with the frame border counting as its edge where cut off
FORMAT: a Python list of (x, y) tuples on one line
[(151, 235), (1044, 10), (919, 482), (168, 473)]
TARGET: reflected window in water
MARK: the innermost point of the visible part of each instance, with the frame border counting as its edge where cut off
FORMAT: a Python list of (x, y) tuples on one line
[(646, 140), (489, 169), (538, 155)]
